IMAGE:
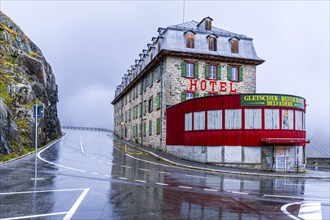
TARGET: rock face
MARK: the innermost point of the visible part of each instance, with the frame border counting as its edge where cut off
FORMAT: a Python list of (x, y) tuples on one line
[(25, 79)]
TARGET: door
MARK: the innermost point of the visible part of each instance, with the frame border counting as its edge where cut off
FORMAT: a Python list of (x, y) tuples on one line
[(282, 158)]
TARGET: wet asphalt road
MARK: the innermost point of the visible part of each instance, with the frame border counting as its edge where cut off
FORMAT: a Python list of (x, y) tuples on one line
[(89, 175)]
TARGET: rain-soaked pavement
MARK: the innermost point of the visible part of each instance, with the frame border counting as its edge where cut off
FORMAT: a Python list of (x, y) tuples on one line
[(89, 175)]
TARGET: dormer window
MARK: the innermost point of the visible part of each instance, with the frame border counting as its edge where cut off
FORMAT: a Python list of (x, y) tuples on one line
[(207, 24), (212, 39), (234, 45), (190, 39)]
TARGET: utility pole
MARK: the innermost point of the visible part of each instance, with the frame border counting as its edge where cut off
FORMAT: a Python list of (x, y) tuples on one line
[(38, 112)]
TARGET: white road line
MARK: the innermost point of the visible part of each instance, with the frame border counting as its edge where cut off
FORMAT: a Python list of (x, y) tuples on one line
[(185, 187), (122, 178), (141, 181), (35, 216), (201, 177), (211, 190), (126, 166), (284, 207), (107, 175), (244, 193), (144, 170), (311, 210), (162, 184), (76, 205), (165, 172), (81, 145), (279, 196), (95, 173), (58, 165), (42, 191)]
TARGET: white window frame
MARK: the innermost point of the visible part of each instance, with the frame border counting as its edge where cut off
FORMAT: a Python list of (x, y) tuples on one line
[(272, 119), (190, 67), (299, 120), (199, 121), (234, 73), (287, 119), (212, 71), (214, 120), (233, 118), (190, 95), (253, 119), (188, 121)]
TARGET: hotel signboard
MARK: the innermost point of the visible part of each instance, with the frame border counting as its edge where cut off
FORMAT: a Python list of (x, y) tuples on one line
[(272, 100)]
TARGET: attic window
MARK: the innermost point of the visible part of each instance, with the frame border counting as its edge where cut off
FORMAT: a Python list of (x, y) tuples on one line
[(190, 41), (207, 24), (234, 46), (213, 43)]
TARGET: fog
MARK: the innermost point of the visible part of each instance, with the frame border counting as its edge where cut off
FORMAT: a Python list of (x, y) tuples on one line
[(91, 44)]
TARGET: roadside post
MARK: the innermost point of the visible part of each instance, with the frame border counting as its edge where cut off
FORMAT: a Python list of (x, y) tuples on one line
[(38, 112)]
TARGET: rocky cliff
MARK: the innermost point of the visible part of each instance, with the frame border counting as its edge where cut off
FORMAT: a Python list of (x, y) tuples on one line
[(25, 79)]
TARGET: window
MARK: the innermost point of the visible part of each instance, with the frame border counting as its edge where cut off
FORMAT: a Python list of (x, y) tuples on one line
[(233, 119), (212, 71), (213, 43), (235, 73), (158, 101), (214, 120), (144, 129), (234, 46), (158, 126), (272, 119), (287, 119), (144, 107), (190, 42), (207, 24), (253, 119), (189, 95), (150, 104), (188, 122), (189, 70), (150, 127), (299, 120), (199, 121)]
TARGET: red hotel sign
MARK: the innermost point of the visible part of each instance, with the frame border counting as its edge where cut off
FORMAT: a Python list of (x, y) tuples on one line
[(212, 86)]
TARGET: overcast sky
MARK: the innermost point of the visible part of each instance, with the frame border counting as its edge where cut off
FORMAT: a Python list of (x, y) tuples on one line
[(91, 44)]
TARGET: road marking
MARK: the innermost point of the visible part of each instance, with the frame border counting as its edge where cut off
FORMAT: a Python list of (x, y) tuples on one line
[(162, 184), (185, 187), (244, 193), (211, 190), (122, 178), (311, 210), (201, 177), (35, 216), (279, 196), (144, 170), (95, 173), (165, 172), (42, 191), (58, 165), (308, 210), (107, 175), (76, 205), (141, 181)]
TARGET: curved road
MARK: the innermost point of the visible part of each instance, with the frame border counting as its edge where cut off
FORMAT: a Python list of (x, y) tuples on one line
[(90, 175)]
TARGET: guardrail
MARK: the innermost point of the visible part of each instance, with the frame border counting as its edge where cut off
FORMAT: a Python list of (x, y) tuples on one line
[(86, 128)]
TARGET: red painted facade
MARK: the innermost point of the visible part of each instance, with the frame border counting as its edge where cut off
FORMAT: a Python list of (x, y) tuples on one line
[(176, 134)]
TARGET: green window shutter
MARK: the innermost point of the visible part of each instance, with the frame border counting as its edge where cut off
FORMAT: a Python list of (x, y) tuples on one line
[(228, 72), (240, 73), (207, 71), (196, 94), (183, 69), (196, 70), (206, 94), (158, 126), (219, 72), (183, 96), (158, 101)]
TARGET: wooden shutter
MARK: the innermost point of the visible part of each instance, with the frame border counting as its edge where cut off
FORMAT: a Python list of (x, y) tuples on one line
[(207, 71), (206, 94), (196, 70), (196, 94), (158, 101), (183, 96), (228, 72), (183, 69), (219, 72), (240, 73)]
